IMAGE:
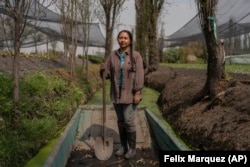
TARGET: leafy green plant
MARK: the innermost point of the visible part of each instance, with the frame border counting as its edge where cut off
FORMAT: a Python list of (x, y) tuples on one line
[(93, 58), (37, 130), (46, 105), (173, 55), (5, 94), (96, 59)]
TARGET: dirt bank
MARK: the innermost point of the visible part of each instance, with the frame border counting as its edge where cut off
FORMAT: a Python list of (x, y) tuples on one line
[(222, 124)]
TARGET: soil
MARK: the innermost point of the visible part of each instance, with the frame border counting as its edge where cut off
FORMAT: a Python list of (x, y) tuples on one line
[(144, 158), (28, 65), (220, 124)]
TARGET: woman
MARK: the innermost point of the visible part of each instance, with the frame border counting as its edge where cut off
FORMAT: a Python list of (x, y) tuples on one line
[(124, 68)]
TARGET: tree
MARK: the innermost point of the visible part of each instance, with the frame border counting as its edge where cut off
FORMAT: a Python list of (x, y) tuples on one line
[(68, 11), (112, 9), (141, 28), (65, 28), (147, 15), (53, 43), (87, 10), (7, 31), (73, 30), (18, 11), (154, 7), (161, 44), (36, 36), (207, 9)]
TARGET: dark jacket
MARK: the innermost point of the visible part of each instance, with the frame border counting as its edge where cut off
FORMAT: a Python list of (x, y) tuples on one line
[(133, 78)]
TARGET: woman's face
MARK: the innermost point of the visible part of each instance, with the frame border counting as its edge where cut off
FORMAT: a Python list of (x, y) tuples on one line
[(124, 41)]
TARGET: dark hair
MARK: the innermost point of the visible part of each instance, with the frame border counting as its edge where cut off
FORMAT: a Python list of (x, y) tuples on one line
[(128, 32), (131, 46)]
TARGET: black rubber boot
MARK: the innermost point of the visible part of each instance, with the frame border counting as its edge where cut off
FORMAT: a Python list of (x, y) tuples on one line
[(132, 145), (123, 138)]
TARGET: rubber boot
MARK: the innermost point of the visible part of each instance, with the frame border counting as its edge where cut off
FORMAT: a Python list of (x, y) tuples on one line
[(132, 145), (123, 138)]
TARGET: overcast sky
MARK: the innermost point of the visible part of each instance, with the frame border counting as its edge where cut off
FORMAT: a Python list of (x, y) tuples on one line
[(175, 16)]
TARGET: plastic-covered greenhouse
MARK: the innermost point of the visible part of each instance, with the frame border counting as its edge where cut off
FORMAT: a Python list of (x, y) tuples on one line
[(233, 25), (49, 24), (239, 59), (233, 19)]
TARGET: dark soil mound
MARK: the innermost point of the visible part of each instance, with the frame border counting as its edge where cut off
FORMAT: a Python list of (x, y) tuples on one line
[(28, 65), (221, 124)]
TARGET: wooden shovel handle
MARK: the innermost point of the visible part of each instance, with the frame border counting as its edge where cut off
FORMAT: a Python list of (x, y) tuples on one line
[(104, 104)]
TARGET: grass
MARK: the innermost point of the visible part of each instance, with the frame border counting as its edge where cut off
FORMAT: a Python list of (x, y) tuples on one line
[(149, 99), (237, 68), (234, 68), (42, 155), (98, 96), (188, 66)]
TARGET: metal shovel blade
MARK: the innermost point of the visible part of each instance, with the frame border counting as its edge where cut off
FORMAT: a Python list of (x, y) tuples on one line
[(103, 147)]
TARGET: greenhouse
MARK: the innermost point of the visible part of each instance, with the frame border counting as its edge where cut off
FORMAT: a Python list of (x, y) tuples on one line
[(239, 59), (48, 25), (233, 19)]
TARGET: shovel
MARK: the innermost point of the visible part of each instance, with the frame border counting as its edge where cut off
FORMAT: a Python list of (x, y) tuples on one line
[(103, 144)]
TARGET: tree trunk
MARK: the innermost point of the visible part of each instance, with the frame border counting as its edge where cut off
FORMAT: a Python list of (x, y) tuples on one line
[(214, 65), (147, 13), (161, 45), (214, 47), (152, 37), (73, 32), (16, 64), (111, 10), (141, 22), (72, 61), (15, 117)]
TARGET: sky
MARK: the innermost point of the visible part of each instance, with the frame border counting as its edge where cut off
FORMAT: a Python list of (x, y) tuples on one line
[(175, 15)]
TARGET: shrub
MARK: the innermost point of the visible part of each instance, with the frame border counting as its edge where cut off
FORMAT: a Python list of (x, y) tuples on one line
[(47, 103), (5, 94)]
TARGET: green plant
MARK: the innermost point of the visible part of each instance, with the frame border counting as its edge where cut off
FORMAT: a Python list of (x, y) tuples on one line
[(172, 55), (38, 130), (47, 103), (96, 59), (5, 94), (36, 84), (92, 58), (149, 99), (14, 149)]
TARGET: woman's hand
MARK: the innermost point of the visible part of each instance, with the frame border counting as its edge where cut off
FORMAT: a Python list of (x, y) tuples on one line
[(137, 97)]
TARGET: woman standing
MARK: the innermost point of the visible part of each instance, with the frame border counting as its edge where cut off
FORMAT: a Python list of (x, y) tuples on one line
[(124, 68)]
